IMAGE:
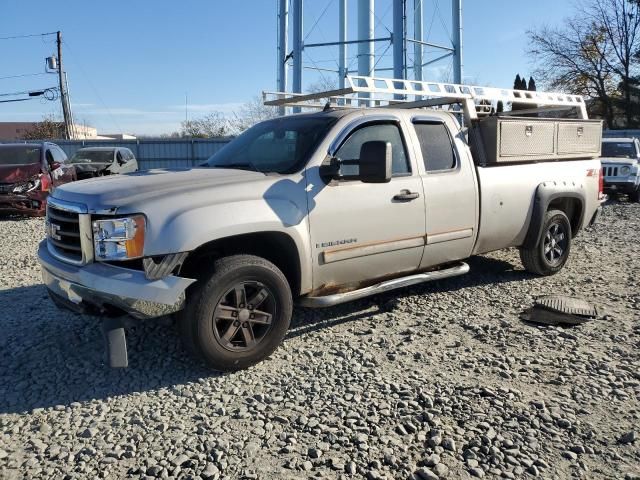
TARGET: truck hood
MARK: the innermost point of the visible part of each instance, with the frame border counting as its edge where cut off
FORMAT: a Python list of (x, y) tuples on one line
[(135, 191), (18, 173), (618, 161)]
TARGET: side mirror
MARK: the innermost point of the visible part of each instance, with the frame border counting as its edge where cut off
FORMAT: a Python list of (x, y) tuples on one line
[(375, 162), (54, 165)]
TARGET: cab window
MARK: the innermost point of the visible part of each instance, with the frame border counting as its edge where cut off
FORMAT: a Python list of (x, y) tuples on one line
[(58, 154), (49, 157), (388, 132)]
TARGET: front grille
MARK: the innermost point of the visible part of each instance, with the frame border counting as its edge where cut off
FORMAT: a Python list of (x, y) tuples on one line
[(610, 171), (63, 233), (6, 187)]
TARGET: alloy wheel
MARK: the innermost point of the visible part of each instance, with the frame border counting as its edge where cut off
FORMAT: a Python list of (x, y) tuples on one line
[(243, 316), (555, 244)]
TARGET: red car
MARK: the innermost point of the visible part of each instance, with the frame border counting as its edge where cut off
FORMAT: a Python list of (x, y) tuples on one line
[(28, 172)]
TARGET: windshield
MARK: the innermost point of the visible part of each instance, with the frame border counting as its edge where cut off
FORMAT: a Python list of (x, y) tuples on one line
[(89, 156), (619, 149), (282, 145), (19, 155)]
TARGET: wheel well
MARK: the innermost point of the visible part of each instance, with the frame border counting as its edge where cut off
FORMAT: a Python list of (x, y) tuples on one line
[(277, 247), (572, 208)]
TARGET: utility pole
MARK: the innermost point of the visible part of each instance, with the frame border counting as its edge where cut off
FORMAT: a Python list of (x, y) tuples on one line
[(63, 91)]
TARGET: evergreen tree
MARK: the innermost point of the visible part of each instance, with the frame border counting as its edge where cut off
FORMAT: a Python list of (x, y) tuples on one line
[(520, 83), (532, 85), (517, 83)]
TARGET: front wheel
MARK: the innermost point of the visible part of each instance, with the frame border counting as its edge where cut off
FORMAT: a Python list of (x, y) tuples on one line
[(635, 195), (238, 314), (551, 252)]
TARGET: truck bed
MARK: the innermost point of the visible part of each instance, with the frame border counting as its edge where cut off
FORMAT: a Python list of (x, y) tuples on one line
[(507, 195)]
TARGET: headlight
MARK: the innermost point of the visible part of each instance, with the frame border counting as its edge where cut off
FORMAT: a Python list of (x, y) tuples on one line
[(625, 170), (27, 186), (119, 238)]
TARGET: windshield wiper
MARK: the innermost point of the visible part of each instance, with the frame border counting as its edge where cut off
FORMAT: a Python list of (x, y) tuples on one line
[(237, 166)]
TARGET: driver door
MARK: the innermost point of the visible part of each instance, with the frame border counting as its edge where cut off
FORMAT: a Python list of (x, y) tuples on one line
[(366, 231)]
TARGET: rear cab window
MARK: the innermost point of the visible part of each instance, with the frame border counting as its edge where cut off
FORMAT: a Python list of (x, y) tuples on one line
[(436, 146)]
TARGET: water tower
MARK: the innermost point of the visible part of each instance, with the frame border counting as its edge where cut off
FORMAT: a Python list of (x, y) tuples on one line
[(292, 45)]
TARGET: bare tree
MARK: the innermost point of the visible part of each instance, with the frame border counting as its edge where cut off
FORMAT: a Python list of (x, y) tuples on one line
[(573, 59), (322, 85), (47, 129), (592, 55), (250, 113), (620, 22), (213, 125)]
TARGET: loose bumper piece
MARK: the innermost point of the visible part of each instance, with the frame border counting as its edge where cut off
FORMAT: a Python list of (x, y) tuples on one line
[(106, 289)]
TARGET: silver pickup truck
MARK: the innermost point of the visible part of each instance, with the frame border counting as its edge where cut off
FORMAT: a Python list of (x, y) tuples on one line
[(318, 209)]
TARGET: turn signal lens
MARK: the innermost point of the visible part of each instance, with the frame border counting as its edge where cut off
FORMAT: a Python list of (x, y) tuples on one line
[(135, 245)]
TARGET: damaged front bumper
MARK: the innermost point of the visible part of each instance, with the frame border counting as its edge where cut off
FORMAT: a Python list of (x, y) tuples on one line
[(104, 289), (23, 204), (111, 292)]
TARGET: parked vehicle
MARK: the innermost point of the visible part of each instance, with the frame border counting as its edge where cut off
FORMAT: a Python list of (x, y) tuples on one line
[(100, 161), (28, 173), (620, 164), (321, 209)]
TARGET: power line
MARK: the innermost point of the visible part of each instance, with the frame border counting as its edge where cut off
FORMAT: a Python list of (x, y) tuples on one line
[(26, 92), (23, 75), (95, 91), (18, 100), (318, 19), (28, 36)]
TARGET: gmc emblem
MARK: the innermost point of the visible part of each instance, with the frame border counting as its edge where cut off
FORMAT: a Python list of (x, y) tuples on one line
[(52, 231)]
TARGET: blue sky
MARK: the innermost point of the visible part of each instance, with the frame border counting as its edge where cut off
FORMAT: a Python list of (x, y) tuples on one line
[(131, 63)]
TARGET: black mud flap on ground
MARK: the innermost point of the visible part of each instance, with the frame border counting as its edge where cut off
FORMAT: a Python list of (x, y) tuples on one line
[(560, 310), (116, 342)]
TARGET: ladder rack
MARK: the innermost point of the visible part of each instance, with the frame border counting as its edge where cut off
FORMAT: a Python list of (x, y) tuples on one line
[(367, 92)]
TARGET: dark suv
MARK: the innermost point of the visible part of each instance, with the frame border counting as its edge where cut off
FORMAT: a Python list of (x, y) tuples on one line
[(28, 172)]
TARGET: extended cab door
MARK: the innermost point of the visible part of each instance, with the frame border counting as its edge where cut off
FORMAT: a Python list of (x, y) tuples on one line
[(451, 191), (363, 231)]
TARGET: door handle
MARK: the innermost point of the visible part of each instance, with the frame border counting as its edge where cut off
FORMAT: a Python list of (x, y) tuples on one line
[(406, 196)]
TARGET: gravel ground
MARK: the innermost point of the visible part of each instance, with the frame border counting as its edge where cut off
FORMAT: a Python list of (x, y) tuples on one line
[(437, 381)]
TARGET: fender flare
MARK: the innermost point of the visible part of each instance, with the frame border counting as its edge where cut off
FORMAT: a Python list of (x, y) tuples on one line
[(547, 192)]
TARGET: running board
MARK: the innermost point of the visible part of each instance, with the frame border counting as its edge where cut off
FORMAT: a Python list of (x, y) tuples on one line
[(338, 298)]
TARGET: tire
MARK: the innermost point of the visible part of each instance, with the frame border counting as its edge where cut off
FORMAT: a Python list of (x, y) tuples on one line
[(552, 249), (237, 314), (635, 196)]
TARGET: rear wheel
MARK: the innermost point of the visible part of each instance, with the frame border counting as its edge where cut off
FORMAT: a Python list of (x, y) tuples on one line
[(551, 252), (238, 314)]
